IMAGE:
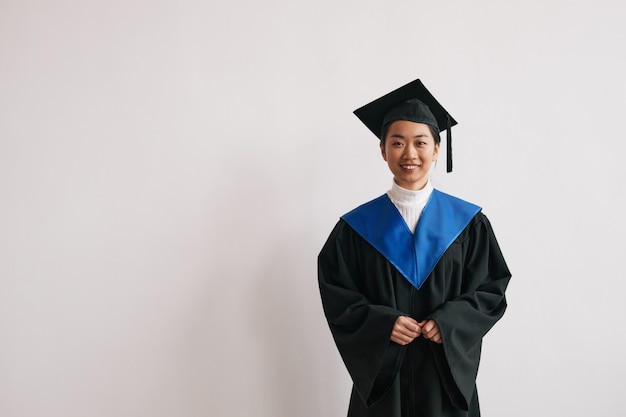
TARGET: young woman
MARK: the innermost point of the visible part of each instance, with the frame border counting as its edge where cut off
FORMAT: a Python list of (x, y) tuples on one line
[(411, 281)]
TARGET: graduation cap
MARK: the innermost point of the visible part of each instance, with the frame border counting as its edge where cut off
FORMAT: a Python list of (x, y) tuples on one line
[(412, 102)]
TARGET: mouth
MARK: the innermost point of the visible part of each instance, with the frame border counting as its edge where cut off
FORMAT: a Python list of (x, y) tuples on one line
[(409, 166)]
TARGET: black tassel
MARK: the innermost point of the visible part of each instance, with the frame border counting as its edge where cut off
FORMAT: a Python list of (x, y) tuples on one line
[(449, 145)]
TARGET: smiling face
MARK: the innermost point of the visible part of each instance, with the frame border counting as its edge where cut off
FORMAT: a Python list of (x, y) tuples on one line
[(409, 149)]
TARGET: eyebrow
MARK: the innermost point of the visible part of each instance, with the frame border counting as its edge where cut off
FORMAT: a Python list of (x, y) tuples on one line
[(397, 135)]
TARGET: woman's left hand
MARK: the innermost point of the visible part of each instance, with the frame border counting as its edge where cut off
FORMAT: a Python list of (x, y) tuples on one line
[(430, 331)]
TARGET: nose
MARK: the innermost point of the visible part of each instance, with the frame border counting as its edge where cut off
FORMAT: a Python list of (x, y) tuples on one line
[(410, 152)]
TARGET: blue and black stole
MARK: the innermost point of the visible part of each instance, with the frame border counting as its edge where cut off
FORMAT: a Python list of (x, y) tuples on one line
[(414, 255)]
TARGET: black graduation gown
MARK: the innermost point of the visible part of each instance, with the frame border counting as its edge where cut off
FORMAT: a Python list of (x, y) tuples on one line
[(363, 294)]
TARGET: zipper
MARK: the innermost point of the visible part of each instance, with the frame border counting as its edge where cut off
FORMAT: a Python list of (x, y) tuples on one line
[(411, 364)]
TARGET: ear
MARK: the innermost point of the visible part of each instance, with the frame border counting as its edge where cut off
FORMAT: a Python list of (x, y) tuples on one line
[(436, 152), (382, 151)]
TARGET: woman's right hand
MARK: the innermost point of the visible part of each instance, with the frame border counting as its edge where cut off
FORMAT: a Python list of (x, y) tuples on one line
[(405, 330)]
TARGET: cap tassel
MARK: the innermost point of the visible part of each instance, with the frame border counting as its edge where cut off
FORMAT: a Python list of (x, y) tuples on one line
[(449, 145)]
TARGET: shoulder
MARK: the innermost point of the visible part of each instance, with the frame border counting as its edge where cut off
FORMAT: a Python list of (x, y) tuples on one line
[(368, 207), (341, 235), (479, 226), (454, 201), (344, 227)]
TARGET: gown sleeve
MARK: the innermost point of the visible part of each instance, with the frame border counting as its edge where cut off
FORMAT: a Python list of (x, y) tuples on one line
[(361, 328), (465, 319)]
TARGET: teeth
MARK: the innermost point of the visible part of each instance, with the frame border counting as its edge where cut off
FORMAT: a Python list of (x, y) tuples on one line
[(409, 166)]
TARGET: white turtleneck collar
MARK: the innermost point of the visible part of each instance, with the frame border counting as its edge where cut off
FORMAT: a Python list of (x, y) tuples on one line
[(410, 203)]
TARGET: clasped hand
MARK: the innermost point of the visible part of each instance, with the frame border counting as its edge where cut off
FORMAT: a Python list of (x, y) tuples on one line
[(406, 329)]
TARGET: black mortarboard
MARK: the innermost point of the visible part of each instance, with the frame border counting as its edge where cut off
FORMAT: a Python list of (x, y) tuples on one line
[(412, 102)]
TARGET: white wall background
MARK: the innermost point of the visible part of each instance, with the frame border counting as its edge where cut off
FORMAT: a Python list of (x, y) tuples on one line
[(169, 171)]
